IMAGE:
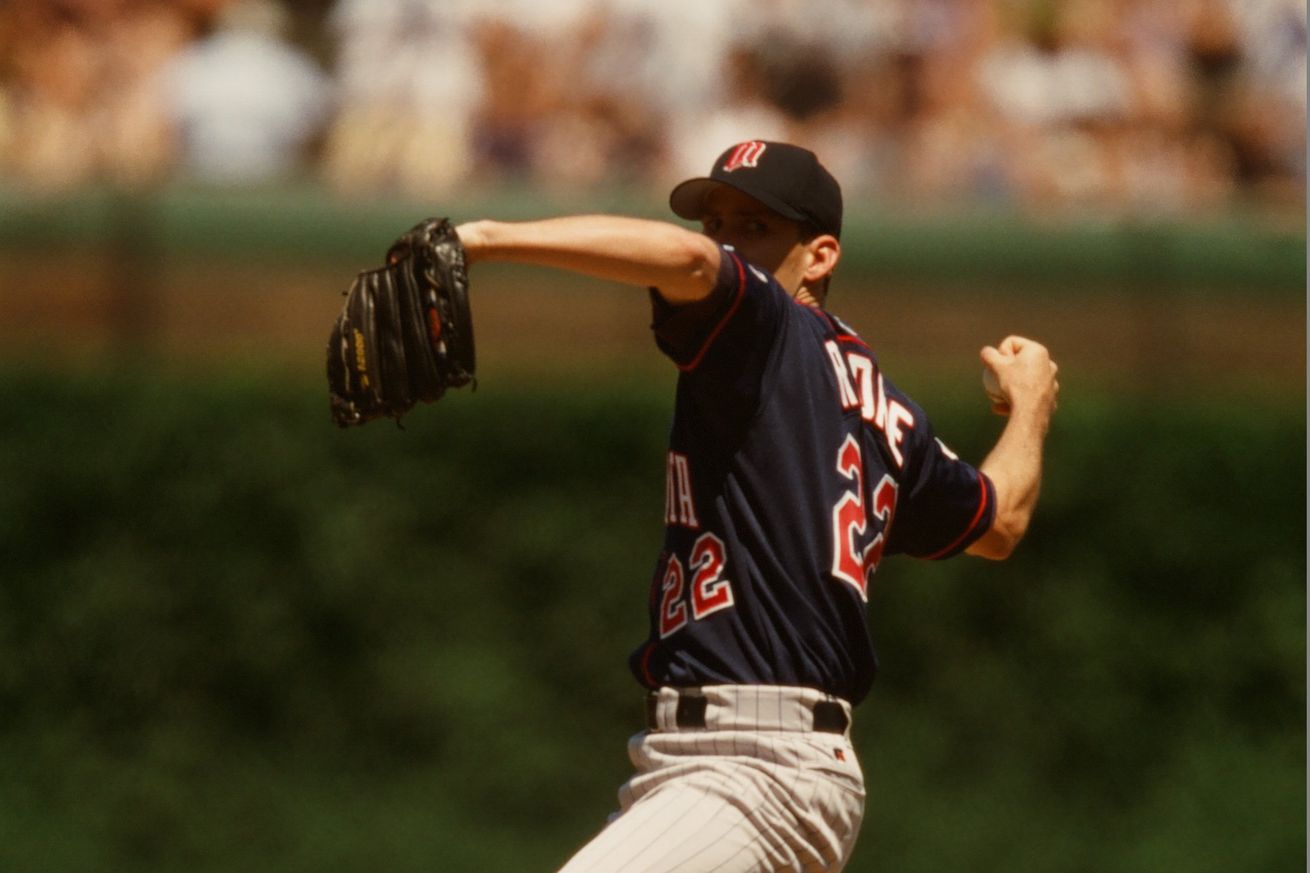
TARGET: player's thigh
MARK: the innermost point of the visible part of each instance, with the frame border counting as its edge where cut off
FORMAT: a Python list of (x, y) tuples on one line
[(678, 828)]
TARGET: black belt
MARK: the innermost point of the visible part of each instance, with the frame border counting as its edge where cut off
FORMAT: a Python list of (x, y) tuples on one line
[(829, 717)]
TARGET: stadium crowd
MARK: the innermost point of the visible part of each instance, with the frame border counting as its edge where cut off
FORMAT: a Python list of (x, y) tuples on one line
[(1158, 106)]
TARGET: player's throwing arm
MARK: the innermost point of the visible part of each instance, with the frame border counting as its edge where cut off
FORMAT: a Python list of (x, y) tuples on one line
[(1019, 379)]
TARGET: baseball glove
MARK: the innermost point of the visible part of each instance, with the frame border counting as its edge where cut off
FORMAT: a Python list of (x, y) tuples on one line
[(405, 333)]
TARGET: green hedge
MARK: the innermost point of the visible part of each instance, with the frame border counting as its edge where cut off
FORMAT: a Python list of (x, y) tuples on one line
[(233, 637)]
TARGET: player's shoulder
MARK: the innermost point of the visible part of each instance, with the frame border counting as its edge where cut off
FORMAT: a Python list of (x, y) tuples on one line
[(842, 328), (830, 327), (768, 296)]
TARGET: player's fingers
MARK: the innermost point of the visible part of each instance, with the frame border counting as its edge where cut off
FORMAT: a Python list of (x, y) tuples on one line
[(1028, 349)]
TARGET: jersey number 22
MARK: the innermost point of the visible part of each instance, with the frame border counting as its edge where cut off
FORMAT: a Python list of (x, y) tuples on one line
[(853, 560), (710, 592)]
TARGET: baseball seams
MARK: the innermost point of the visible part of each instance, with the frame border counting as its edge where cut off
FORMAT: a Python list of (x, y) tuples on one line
[(756, 789)]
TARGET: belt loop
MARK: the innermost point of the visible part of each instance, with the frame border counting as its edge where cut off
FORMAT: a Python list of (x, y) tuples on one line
[(691, 711), (830, 717)]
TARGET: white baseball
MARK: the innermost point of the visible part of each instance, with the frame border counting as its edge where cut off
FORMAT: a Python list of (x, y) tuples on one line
[(992, 388)]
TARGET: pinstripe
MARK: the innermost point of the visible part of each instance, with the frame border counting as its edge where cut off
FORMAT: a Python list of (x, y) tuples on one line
[(729, 781), (657, 826), (659, 842), (658, 800), (651, 815)]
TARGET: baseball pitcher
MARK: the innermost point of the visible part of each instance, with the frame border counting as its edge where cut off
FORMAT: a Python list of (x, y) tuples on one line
[(795, 467)]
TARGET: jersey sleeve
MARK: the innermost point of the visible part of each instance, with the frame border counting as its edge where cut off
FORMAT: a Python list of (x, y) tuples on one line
[(731, 329), (944, 505)]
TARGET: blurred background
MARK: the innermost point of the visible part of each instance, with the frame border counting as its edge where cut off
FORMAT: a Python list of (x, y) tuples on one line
[(233, 637)]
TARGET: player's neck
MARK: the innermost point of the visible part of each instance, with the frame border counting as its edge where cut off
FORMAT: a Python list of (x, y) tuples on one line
[(804, 296)]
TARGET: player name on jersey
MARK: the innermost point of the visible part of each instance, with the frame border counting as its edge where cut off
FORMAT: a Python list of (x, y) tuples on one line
[(861, 385), (679, 501)]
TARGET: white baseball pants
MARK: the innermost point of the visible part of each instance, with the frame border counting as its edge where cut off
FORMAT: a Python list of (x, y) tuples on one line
[(756, 789)]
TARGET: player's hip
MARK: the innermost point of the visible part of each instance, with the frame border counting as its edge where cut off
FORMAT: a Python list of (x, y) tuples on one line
[(771, 708), (767, 732), (800, 792)]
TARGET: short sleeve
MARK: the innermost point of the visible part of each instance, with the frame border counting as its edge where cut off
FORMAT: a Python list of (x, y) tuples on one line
[(685, 332), (944, 505)]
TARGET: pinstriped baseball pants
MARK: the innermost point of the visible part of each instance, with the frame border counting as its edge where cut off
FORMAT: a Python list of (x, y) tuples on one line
[(756, 790)]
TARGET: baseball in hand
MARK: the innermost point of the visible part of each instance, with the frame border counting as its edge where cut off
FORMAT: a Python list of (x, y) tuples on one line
[(992, 388)]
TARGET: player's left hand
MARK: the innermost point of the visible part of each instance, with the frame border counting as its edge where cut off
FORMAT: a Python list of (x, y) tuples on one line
[(405, 332)]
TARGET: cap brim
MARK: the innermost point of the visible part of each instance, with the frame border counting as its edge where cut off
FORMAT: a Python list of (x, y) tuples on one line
[(687, 200)]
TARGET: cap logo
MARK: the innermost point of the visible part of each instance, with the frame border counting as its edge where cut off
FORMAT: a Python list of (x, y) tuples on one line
[(745, 155)]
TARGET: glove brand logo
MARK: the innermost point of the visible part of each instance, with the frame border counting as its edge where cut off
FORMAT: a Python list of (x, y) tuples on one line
[(747, 154), (361, 359)]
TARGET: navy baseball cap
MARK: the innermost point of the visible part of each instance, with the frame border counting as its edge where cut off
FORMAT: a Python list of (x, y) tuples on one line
[(786, 178)]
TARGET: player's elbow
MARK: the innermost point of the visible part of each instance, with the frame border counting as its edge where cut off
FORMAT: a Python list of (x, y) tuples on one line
[(702, 263), (1001, 539), (696, 270)]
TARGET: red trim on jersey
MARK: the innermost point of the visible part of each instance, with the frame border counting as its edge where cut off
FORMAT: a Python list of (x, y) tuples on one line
[(645, 665), (977, 517), (844, 337), (850, 338), (723, 322)]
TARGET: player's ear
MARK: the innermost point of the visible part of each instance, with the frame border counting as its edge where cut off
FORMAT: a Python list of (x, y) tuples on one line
[(822, 254)]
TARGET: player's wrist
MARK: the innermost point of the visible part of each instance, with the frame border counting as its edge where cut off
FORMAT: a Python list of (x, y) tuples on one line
[(475, 237), (1033, 412)]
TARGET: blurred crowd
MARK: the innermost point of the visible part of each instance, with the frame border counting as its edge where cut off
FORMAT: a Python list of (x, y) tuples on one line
[(1170, 106)]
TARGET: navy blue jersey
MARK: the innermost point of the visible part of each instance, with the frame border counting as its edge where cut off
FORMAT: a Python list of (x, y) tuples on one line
[(794, 467)]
